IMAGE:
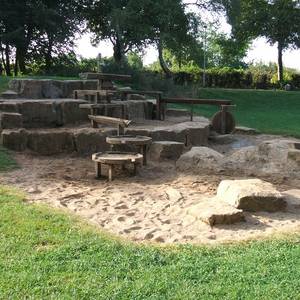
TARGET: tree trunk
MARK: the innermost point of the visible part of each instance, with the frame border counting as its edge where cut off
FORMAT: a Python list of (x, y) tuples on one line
[(21, 60), (162, 62), (280, 64), (16, 66), (118, 53), (7, 61)]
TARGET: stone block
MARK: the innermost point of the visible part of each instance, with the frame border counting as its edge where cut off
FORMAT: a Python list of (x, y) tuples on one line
[(71, 113), (11, 120), (51, 142), (27, 88), (251, 195), (89, 141), (164, 150), (15, 140), (10, 106), (39, 113), (214, 212)]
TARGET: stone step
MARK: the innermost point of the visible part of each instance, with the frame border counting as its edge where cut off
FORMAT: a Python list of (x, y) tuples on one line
[(9, 95), (164, 150), (251, 195)]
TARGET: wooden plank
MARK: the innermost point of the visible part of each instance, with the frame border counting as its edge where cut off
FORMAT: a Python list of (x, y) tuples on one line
[(128, 92), (105, 76)]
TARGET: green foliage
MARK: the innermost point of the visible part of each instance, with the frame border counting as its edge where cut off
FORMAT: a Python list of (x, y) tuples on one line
[(48, 254)]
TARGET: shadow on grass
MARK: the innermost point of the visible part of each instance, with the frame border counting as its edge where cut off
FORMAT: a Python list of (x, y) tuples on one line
[(6, 160)]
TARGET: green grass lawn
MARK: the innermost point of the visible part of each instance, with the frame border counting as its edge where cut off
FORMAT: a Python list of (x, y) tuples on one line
[(48, 254), (275, 112)]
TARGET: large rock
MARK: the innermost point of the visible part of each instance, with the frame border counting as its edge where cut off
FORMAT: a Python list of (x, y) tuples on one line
[(89, 141), (15, 140), (51, 142), (199, 158), (11, 120), (292, 197), (269, 157), (166, 150), (215, 212), (251, 195)]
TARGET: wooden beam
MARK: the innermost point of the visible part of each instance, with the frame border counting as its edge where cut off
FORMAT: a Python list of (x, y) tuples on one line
[(111, 121), (196, 101)]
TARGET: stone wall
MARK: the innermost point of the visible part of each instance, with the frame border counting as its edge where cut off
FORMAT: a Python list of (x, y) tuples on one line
[(46, 113), (85, 141)]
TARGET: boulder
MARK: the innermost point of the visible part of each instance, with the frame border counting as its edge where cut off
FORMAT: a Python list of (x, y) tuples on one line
[(215, 212), (199, 158), (11, 120), (15, 140), (269, 157), (89, 141), (251, 195), (166, 150), (245, 130), (51, 142), (292, 197)]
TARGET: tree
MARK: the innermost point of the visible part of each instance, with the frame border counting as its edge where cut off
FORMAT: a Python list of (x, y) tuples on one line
[(119, 21), (32, 28), (276, 20)]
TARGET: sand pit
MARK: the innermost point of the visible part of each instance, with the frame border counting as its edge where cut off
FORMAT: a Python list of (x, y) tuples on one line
[(149, 207)]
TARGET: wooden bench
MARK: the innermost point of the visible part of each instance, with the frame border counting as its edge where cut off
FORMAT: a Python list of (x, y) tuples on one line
[(121, 123), (222, 122)]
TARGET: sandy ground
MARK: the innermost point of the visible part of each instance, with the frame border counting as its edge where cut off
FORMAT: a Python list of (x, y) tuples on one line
[(149, 207)]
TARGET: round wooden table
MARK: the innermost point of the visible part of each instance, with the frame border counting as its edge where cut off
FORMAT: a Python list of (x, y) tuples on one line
[(140, 141), (115, 158)]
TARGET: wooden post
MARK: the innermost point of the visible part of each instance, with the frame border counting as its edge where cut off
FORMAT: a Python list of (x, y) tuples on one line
[(98, 169), (143, 151), (192, 112), (158, 104), (110, 172)]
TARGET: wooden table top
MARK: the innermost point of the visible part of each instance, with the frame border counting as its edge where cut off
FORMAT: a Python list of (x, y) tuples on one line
[(129, 140), (117, 157)]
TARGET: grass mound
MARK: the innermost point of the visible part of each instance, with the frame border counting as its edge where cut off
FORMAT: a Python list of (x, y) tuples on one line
[(47, 254)]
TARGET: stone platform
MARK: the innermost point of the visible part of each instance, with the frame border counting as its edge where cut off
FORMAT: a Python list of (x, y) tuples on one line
[(47, 113), (49, 89), (85, 141)]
